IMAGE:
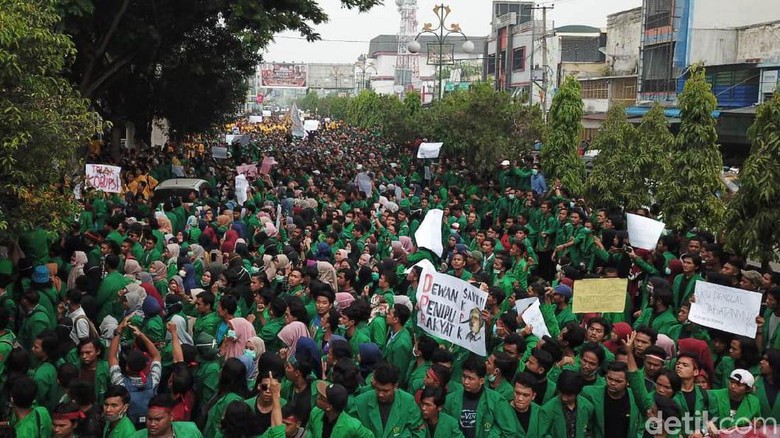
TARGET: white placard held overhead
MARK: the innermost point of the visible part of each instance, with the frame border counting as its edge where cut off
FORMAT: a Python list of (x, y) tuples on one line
[(241, 185), (451, 309), (428, 235), (103, 178), (311, 125), (255, 119), (644, 232), (219, 152), (533, 316), (725, 308), (429, 150), (243, 139)]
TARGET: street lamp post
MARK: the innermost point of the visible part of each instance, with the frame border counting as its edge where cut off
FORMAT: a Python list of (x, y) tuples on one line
[(441, 32), (363, 65)]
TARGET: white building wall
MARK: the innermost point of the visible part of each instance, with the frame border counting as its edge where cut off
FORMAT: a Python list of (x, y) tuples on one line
[(592, 106), (624, 39), (759, 42), (724, 14)]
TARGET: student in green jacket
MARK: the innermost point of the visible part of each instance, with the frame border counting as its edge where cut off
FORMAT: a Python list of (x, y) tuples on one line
[(553, 417), (398, 348), (332, 400), (739, 394), (159, 421), (771, 315), (560, 297), (35, 320), (615, 412), (403, 418), (768, 384), (659, 315), (478, 408), (501, 367), (232, 386), (437, 423), (527, 412), (28, 419), (684, 284), (115, 406)]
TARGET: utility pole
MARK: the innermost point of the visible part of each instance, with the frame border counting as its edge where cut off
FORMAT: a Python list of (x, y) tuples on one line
[(544, 59)]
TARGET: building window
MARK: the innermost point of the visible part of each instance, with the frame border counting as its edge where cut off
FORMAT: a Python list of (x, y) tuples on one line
[(518, 59), (491, 64), (657, 68), (658, 14), (595, 89)]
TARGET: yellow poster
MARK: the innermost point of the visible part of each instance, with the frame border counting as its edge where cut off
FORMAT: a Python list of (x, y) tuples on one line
[(599, 295)]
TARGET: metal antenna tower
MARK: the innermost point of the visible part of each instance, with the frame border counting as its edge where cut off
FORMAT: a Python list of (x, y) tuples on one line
[(407, 66)]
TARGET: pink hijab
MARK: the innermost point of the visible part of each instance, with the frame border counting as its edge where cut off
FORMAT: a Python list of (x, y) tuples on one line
[(290, 335), (406, 244), (235, 347)]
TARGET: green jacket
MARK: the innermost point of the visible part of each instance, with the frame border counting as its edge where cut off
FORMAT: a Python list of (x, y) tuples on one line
[(215, 414), (555, 423), (494, 415), (124, 429), (720, 407), (180, 429), (505, 389), (663, 323), (769, 408), (404, 419), (398, 350), (535, 425), (48, 394), (447, 427), (345, 427), (595, 395), (681, 296), (206, 323), (771, 340), (34, 323), (416, 375), (107, 299)]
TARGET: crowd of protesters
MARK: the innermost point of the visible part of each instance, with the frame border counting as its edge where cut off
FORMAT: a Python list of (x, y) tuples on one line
[(293, 313)]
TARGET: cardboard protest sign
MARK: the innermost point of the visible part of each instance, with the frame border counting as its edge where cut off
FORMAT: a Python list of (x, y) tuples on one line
[(249, 170), (725, 308), (522, 304), (255, 119), (643, 232), (311, 125), (533, 316), (103, 178), (599, 295), (219, 152), (265, 166), (429, 150), (428, 235), (450, 309)]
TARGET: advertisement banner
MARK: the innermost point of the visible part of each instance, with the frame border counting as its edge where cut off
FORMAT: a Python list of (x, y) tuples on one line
[(283, 75)]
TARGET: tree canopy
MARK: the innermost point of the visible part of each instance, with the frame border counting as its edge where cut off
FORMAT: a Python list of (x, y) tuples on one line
[(43, 120), (559, 153)]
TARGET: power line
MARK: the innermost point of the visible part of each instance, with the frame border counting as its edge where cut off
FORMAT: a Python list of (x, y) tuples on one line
[(323, 39)]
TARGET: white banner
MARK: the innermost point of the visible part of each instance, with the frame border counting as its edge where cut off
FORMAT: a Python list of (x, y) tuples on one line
[(242, 139), (451, 310), (255, 119), (429, 150), (241, 186), (311, 125), (643, 232), (428, 235), (532, 315), (103, 178), (725, 308)]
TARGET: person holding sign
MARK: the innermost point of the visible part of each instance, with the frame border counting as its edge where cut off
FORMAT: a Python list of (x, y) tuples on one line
[(659, 316), (685, 283)]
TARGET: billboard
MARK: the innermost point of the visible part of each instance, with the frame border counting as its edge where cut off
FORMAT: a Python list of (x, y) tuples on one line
[(283, 75)]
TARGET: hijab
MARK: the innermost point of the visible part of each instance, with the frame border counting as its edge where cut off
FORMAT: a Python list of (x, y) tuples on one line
[(198, 253), (235, 348), (173, 248), (369, 356), (132, 269), (290, 334), (158, 270), (307, 347), (188, 281), (164, 225), (406, 244), (259, 345), (326, 273), (77, 269), (135, 299)]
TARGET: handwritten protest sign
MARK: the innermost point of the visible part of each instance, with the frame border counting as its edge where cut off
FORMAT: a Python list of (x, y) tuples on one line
[(532, 315), (725, 308), (428, 235), (594, 295), (219, 152), (450, 309), (250, 170), (103, 178), (429, 150), (265, 166), (643, 232)]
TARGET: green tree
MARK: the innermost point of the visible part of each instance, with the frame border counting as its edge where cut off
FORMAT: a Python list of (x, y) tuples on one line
[(689, 194), (617, 178), (43, 119), (754, 212), (559, 153), (311, 102), (655, 147)]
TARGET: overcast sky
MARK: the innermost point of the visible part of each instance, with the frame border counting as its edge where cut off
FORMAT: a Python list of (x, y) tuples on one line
[(355, 29)]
